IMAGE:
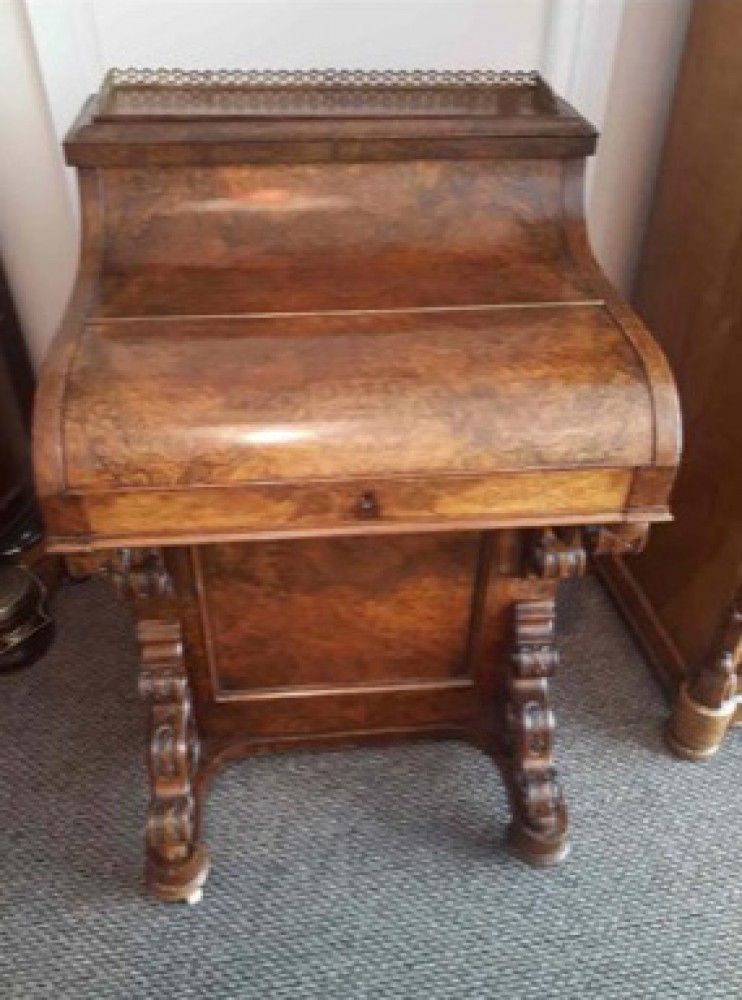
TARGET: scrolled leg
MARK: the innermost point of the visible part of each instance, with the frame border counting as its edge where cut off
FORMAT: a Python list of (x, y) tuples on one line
[(177, 865), (539, 829)]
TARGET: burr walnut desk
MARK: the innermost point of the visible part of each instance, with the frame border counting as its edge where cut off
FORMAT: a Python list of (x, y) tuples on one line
[(339, 398)]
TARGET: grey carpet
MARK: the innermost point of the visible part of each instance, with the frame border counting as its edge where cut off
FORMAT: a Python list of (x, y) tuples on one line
[(367, 873)]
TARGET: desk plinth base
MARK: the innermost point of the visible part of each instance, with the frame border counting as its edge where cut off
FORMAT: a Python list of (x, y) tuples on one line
[(255, 647)]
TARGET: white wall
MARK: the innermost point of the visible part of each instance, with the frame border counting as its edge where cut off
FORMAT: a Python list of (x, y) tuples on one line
[(38, 238), (575, 43), (78, 39), (648, 51)]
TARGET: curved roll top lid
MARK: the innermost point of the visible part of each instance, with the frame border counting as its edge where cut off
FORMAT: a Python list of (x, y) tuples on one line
[(189, 402)]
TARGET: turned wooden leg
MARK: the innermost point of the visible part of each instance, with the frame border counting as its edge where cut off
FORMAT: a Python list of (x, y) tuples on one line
[(538, 832), (707, 703), (177, 865)]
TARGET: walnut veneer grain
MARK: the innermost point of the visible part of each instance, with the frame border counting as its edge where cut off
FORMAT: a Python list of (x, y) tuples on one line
[(340, 396)]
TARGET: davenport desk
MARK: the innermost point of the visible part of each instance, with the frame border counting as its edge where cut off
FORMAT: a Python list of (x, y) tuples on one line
[(339, 397)]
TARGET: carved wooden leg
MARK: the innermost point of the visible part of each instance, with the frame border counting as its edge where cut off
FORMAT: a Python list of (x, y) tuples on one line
[(538, 831), (707, 703), (540, 826), (177, 865)]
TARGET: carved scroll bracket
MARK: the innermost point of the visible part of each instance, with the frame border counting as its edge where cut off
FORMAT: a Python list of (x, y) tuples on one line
[(137, 573), (133, 573), (558, 554), (616, 539), (561, 553)]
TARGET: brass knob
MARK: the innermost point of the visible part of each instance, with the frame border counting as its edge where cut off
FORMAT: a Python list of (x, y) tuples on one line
[(368, 505)]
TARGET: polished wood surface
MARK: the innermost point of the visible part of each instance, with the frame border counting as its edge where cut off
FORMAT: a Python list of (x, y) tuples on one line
[(280, 399), (306, 237), (340, 397), (679, 593), (403, 606), (365, 506)]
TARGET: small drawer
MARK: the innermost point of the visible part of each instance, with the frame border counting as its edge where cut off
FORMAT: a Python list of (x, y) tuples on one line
[(316, 507)]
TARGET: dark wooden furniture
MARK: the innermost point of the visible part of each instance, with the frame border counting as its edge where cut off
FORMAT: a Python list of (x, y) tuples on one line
[(682, 595), (16, 395), (26, 576), (14, 355), (340, 396)]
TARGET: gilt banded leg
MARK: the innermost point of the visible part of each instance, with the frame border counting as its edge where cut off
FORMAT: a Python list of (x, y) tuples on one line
[(539, 827), (177, 866)]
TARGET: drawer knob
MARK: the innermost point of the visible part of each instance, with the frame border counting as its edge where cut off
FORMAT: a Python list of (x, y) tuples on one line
[(368, 505)]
